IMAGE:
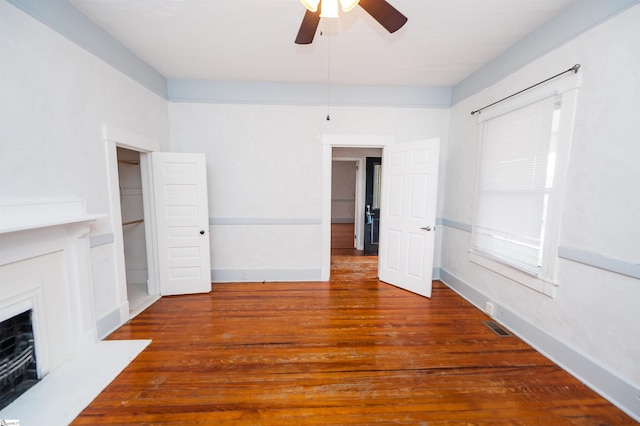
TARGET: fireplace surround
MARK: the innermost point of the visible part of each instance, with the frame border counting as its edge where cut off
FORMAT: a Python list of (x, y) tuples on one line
[(45, 270)]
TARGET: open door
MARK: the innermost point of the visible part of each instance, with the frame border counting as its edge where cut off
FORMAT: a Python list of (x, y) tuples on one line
[(182, 222), (408, 213)]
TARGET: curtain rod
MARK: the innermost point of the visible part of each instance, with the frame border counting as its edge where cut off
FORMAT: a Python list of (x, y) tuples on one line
[(573, 69)]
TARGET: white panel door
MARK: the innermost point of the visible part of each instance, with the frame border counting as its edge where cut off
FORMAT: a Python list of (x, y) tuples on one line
[(182, 222), (408, 215)]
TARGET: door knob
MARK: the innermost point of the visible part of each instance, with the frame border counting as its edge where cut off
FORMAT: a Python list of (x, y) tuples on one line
[(202, 232), (428, 228)]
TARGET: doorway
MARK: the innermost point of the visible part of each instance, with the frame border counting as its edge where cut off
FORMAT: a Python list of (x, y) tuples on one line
[(344, 174), (409, 191), (133, 231), (352, 148)]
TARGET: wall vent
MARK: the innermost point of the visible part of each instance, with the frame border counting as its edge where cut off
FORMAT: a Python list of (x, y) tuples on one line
[(496, 328)]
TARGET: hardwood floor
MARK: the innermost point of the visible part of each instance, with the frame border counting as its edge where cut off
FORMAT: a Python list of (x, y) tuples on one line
[(342, 235), (350, 351)]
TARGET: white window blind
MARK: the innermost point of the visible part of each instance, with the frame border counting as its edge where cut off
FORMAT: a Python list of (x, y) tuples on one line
[(516, 174)]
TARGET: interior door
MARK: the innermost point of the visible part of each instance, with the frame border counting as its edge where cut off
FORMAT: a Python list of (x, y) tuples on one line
[(408, 209), (372, 206), (182, 222)]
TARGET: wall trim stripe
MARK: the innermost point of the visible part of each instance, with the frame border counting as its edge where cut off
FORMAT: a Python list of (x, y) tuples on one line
[(579, 17), (596, 260), (612, 387), (65, 19), (272, 93), (343, 220), (264, 221), (585, 257), (456, 225)]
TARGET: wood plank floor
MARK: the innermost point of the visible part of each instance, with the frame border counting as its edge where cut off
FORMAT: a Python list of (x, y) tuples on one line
[(342, 235), (351, 351)]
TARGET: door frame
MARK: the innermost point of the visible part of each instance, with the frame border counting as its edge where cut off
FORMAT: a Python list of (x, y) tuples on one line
[(116, 138), (329, 141)]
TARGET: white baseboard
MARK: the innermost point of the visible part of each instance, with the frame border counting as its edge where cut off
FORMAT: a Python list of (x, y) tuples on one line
[(114, 319)]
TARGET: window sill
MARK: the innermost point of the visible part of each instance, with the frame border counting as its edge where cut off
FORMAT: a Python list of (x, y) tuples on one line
[(546, 287)]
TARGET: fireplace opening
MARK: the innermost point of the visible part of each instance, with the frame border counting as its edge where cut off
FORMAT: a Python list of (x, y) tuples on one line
[(17, 357)]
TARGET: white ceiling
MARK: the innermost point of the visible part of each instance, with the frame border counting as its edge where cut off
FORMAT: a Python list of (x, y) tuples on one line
[(443, 41)]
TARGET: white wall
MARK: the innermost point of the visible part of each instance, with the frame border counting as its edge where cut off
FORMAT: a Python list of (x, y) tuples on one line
[(56, 97), (265, 177), (595, 312)]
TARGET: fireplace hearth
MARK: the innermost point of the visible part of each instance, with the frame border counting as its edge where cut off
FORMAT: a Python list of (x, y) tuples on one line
[(17, 357)]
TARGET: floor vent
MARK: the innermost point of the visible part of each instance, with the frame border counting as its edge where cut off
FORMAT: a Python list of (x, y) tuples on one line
[(496, 328)]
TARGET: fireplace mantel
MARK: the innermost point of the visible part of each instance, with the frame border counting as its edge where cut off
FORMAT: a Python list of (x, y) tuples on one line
[(25, 216), (26, 226), (45, 266)]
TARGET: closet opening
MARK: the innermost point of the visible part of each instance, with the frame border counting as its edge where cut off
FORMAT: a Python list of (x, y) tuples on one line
[(139, 293)]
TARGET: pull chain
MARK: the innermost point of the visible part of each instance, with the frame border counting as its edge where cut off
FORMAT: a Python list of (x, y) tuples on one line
[(328, 73)]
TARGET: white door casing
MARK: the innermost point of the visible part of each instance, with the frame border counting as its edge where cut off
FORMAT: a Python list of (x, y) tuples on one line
[(329, 142), (408, 215), (182, 222)]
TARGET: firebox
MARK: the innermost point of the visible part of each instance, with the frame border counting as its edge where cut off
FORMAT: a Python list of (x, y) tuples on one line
[(17, 357)]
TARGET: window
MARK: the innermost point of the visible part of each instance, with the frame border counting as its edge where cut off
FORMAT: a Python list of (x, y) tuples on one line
[(519, 189)]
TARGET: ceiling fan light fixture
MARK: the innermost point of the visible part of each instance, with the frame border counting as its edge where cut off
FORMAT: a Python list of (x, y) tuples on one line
[(311, 5), (347, 5), (329, 9), (380, 10)]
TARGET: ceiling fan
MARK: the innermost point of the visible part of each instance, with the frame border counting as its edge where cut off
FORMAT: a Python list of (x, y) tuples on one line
[(388, 16)]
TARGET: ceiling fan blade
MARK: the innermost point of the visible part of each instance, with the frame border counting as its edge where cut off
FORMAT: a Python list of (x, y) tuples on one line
[(308, 27), (387, 15)]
